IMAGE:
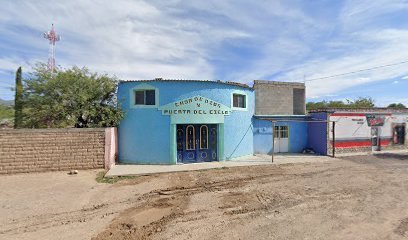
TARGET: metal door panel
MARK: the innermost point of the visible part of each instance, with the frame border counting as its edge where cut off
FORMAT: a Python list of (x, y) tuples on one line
[(281, 139), (190, 144), (203, 143), (213, 142), (180, 142), (284, 145), (196, 142)]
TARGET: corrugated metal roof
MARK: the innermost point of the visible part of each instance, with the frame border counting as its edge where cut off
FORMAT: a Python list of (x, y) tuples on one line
[(282, 117), (185, 80)]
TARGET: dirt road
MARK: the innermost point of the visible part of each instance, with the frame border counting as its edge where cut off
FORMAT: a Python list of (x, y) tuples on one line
[(355, 198)]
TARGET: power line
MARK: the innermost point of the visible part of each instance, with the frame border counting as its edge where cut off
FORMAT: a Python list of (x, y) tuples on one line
[(357, 71)]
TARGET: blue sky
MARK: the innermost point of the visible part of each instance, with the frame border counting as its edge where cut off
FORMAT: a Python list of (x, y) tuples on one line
[(230, 40)]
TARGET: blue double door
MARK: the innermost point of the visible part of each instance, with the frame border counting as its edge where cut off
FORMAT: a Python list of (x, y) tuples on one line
[(196, 143)]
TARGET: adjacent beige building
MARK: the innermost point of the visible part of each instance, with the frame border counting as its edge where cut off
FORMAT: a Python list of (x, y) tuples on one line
[(279, 98)]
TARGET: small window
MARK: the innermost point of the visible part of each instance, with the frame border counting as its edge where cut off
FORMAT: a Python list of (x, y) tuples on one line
[(276, 131), (284, 132), (145, 97), (239, 101), (281, 132)]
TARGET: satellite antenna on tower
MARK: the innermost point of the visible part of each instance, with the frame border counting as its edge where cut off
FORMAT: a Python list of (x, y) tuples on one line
[(52, 37)]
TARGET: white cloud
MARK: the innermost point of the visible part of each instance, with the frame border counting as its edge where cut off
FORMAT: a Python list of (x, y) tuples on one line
[(358, 44), (385, 101), (8, 64), (384, 52), (187, 39), (360, 14), (132, 39)]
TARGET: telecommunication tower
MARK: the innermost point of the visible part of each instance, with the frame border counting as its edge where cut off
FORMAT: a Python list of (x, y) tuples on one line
[(52, 37)]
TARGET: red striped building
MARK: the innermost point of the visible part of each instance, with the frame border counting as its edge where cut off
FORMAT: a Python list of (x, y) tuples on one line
[(371, 129)]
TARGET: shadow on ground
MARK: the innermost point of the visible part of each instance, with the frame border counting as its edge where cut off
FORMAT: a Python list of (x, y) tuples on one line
[(394, 156), (381, 159)]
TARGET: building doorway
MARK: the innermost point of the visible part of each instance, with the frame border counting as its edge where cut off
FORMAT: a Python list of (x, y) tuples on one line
[(197, 143), (398, 136), (375, 139), (281, 139)]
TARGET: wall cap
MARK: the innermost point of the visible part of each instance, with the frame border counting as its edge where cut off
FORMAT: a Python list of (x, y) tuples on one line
[(51, 130)]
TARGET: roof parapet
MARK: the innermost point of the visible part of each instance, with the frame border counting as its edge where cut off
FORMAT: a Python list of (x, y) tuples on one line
[(185, 80), (299, 84)]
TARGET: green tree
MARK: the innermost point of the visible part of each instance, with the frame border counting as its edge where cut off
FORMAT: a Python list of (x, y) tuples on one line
[(396, 105), (70, 98), (18, 100), (360, 102), (6, 116), (6, 112), (325, 104)]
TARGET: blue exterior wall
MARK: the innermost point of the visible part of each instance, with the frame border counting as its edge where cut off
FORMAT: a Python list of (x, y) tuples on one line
[(262, 136), (317, 137), (144, 133), (262, 131), (298, 132)]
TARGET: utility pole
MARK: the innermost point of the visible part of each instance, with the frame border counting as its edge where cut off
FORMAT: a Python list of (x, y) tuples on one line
[(334, 139), (273, 139)]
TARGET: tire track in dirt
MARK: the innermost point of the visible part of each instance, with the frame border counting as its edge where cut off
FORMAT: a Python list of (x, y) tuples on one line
[(402, 228), (43, 221), (179, 194), (126, 227)]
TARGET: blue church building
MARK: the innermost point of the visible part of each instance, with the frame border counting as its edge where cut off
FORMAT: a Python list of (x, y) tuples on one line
[(187, 121)]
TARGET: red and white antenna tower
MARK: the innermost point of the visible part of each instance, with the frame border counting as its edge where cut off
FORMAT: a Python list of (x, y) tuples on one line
[(52, 37)]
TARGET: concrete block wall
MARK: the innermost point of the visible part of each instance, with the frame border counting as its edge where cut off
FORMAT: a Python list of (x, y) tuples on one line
[(348, 150), (299, 101), (279, 98), (38, 150)]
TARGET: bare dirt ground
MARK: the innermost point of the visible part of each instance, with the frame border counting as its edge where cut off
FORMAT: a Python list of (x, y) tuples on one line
[(359, 197)]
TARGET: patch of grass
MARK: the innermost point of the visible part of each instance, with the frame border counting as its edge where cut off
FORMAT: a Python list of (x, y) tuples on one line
[(111, 180), (221, 168), (6, 112), (212, 169)]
